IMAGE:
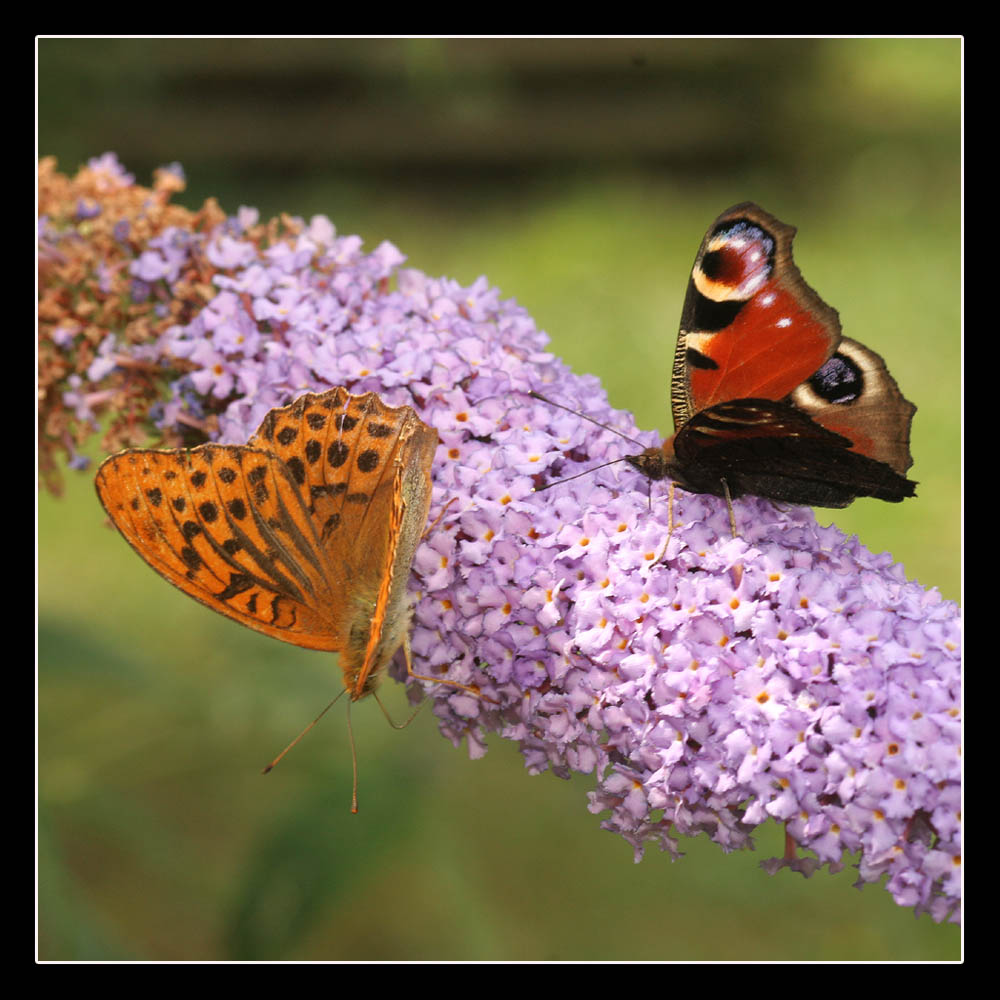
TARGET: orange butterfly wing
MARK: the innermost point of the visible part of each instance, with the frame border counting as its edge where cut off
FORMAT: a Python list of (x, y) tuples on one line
[(307, 533)]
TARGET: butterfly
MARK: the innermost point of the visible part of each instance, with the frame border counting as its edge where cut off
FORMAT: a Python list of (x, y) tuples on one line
[(306, 533), (768, 398)]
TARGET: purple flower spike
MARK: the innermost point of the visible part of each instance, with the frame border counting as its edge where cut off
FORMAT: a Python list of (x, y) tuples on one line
[(708, 682)]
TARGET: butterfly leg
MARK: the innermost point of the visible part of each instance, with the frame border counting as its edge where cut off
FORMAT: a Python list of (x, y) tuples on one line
[(670, 510), (670, 523), (354, 760), (471, 688), (388, 717), (729, 506), (430, 531)]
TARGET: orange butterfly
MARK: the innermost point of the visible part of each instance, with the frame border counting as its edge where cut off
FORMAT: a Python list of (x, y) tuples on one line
[(305, 533)]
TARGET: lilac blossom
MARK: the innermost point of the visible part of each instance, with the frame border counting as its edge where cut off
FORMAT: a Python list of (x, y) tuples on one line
[(708, 682), (110, 173)]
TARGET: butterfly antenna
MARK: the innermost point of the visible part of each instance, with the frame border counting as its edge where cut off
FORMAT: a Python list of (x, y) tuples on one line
[(587, 472), (578, 413), (306, 730)]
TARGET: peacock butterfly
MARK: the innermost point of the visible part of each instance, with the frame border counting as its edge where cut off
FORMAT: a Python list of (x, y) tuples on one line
[(768, 398)]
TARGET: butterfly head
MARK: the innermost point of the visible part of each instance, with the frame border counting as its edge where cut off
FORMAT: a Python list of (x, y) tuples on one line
[(656, 462)]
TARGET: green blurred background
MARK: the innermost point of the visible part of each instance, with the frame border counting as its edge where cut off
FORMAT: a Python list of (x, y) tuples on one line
[(579, 175)]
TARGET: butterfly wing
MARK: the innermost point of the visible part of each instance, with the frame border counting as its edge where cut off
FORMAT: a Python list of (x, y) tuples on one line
[(751, 327), (854, 395), (366, 470), (228, 525), (772, 449), (380, 618), (307, 533)]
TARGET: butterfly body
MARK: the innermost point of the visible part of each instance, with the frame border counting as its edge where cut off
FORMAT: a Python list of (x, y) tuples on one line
[(307, 533), (768, 398)]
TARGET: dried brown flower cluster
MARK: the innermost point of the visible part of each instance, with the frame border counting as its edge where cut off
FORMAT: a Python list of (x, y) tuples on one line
[(93, 229)]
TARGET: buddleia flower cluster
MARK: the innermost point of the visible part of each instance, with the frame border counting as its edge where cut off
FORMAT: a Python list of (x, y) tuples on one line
[(708, 681)]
